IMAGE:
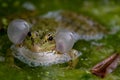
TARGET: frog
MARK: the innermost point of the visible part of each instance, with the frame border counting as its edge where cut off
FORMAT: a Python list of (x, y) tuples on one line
[(49, 39)]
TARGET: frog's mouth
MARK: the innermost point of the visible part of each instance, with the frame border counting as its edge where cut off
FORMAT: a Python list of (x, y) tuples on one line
[(42, 48), (45, 58)]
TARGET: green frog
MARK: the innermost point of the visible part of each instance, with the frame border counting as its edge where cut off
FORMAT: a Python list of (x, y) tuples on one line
[(49, 39)]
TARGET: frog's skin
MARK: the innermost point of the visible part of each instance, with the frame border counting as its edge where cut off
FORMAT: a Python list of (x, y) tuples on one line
[(39, 46)]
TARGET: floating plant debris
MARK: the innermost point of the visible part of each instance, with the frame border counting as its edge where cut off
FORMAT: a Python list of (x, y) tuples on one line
[(106, 66)]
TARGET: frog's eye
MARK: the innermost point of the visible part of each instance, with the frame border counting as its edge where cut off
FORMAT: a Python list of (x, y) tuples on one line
[(18, 30), (50, 38)]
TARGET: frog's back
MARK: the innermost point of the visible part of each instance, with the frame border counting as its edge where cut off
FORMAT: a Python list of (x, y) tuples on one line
[(83, 25)]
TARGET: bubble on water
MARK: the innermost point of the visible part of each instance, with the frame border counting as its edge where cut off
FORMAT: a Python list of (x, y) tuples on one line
[(114, 29), (97, 36), (53, 14), (97, 44), (2, 59), (29, 6)]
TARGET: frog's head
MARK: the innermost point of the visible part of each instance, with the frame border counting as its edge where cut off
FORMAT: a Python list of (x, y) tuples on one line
[(39, 41), (20, 32)]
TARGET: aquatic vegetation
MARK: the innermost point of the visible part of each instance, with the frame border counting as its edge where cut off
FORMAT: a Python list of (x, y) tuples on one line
[(106, 66)]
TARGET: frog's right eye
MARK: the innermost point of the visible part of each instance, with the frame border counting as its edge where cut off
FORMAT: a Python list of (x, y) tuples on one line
[(18, 30)]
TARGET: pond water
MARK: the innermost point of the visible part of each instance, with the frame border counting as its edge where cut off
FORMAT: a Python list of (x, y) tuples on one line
[(105, 12)]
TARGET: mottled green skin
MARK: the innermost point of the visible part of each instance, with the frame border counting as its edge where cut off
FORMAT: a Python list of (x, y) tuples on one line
[(39, 34)]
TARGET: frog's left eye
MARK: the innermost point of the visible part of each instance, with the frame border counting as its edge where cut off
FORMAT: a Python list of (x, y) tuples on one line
[(50, 38)]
